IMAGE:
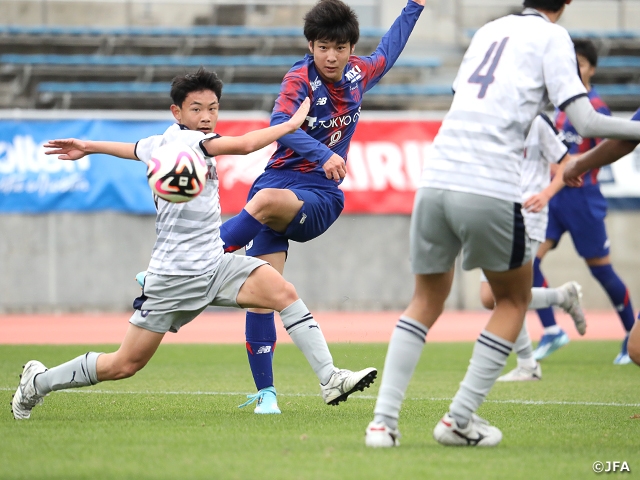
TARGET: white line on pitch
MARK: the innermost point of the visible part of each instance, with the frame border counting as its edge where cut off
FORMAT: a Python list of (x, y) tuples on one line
[(362, 397)]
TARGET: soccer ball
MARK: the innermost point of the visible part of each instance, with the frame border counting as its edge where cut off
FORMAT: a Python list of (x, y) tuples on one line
[(177, 173)]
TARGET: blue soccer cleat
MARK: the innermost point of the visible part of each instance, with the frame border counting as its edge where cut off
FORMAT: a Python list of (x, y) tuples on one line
[(623, 357), (549, 344), (267, 403), (140, 278)]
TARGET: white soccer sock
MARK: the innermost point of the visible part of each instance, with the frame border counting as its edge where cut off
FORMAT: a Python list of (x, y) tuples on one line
[(552, 330), (403, 354), (524, 349), (545, 297), (79, 372), (487, 361), (307, 336)]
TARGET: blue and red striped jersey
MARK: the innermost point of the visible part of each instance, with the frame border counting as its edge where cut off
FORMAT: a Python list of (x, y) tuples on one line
[(335, 107), (577, 144)]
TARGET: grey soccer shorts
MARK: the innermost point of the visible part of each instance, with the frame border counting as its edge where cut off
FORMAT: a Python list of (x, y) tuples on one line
[(170, 301), (489, 231)]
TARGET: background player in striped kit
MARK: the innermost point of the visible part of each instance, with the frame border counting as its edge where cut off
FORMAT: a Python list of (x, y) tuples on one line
[(606, 153), (468, 201), (297, 197), (543, 147), (189, 270), (580, 212)]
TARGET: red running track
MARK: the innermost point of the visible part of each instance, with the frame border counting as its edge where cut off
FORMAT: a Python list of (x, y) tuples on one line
[(228, 327)]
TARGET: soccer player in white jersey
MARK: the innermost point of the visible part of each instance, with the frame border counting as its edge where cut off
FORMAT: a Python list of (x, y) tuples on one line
[(543, 147), (188, 270), (468, 201)]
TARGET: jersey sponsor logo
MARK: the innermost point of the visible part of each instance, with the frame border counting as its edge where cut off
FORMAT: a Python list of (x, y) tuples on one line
[(304, 217), (264, 349), (354, 74), (572, 137), (249, 245), (335, 138), (315, 84), (322, 101), (334, 122)]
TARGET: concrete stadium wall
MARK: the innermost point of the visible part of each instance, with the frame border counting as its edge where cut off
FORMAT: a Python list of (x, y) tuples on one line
[(87, 262)]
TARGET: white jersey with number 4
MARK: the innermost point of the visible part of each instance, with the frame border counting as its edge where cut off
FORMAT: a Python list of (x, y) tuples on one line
[(544, 145), (513, 67)]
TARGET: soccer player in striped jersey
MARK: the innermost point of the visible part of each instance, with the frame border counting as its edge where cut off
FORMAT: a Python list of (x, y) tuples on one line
[(543, 147), (189, 270), (606, 153), (297, 197), (581, 212), (469, 201)]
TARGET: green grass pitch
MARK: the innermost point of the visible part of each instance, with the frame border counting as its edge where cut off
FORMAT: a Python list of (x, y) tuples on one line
[(178, 419)]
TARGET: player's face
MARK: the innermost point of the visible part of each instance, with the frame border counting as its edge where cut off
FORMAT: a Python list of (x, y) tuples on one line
[(199, 111), (586, 70), (330, 58)]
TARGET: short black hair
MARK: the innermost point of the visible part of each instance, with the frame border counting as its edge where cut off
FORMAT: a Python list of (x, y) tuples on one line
[(203, 79), (548, 5), (588, 50), (333, 21)]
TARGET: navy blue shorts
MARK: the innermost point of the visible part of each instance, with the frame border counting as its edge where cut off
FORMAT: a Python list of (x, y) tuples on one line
[(323, 204), (581, 212)]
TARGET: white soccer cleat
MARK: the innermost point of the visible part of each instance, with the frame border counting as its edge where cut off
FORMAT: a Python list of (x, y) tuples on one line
[(478, 433), (573, 293), (522, 374), (379, 435), (26, 396), (345, 382)]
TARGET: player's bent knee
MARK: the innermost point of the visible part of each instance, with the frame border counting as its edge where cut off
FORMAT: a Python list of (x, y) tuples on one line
[(634, 349), (289, 294)]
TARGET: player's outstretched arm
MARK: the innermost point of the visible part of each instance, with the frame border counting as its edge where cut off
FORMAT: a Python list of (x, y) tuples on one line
[(420, 2), (74, 149), (605, 153), (252, 141)]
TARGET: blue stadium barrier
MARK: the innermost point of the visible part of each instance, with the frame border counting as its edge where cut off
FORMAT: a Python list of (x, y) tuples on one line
[(626, 61), (628, 89), (195, 31), (249, 89), (184, 61), (148, 88)]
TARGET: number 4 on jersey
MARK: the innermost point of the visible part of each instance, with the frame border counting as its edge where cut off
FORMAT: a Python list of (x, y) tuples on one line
[(488, 78)]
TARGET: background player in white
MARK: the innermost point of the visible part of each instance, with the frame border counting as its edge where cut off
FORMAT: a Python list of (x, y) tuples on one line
[(188, 269), (542, 148), (469, 200)]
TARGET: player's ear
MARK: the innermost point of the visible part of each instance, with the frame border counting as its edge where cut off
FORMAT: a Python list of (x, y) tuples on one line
[(353, 47), (311, 47), (177, 114)]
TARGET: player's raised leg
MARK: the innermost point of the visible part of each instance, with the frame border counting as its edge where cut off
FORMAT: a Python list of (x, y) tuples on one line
[(37, 381)]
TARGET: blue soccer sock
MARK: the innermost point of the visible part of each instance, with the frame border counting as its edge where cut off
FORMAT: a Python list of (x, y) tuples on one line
[(238, 231), (260, 333), (617, 291), (546, 315)]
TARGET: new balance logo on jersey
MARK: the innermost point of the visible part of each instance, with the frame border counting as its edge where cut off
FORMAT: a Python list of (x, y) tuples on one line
[(264, 349), (354, 74), (315, 84), (322, 101)]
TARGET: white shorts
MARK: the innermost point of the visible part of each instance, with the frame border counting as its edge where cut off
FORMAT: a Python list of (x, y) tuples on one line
[(535, 245), (490, 232), (170, 301)]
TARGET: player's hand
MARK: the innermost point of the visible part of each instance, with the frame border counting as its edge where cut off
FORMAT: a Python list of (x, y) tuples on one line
[(300, 116), (420, 2), (535, 203), (572, 174), (66, 149), (335, 168)]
